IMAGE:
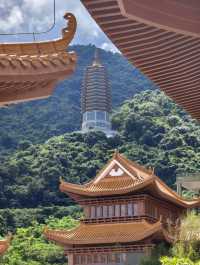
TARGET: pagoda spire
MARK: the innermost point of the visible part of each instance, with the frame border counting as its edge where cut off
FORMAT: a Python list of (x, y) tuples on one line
[(116, 153), (96, 103)]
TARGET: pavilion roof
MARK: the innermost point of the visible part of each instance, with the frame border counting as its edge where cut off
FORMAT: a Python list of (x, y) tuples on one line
[(31, 70), (161, 39), (121, 176), (86, 234)]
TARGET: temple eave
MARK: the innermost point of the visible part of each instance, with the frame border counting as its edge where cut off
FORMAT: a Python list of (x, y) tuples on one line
[(39, 78), (153, 185), (95, 234)]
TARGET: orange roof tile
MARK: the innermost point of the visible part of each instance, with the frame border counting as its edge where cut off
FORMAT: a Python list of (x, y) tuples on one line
[(86, 234), (122, 176)]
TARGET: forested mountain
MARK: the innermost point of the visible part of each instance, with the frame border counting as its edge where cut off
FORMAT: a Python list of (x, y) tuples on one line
[(152, 130), (38, 147), (39, 120)]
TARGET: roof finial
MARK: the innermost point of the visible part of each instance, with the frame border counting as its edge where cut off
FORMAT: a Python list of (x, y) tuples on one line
[(96, 61), (116, 153)]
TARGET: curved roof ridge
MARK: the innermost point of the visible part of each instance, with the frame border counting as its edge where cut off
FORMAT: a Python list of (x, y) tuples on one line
[(118, 185), (81, 190), (59, 44), (30, 71), (185, 201), (135, 164)]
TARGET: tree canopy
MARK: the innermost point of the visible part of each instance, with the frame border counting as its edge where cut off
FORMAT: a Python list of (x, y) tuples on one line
[(152, 131)]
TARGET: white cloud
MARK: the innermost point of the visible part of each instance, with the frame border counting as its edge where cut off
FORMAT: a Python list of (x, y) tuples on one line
[(37, 15), (109, 47), (13, 20)]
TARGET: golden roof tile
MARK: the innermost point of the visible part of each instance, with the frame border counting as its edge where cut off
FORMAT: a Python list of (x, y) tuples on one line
[(122, 176), (86, 234)]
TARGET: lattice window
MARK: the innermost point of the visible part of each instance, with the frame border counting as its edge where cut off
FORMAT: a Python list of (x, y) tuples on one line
[(105, 211), (130, 209), (123, 210), (93, 212), (99, 211), (136, 209), (111, 211), (117, 210)]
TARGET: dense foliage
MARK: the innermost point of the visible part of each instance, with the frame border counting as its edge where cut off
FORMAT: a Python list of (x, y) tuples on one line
[(29, 246), (178, 261), (39, 120), (186, 250), (11, 219), (168, 138), (151, 130)]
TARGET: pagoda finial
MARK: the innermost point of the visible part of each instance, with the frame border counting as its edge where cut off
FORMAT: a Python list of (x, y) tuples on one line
[(116, 153), (96, 61)]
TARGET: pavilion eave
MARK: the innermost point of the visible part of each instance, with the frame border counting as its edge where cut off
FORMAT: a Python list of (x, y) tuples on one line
[(31, 70)]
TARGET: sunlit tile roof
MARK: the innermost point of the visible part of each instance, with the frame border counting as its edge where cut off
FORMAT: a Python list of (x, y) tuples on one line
[(107, 233), (122, 176)]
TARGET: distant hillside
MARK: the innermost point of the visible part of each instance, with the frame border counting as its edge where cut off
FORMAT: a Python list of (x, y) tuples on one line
[(39, 120), (152, 131)]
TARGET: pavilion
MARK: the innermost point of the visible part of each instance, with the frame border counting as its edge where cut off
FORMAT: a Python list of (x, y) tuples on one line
[(127, 211)]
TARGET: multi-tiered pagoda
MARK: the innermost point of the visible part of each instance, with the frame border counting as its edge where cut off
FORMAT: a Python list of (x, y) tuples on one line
[(127, 209), (96, 98)]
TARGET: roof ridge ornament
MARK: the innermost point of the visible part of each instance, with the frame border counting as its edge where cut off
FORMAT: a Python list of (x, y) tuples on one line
[(41, 64), (116, 153), (71, 26)]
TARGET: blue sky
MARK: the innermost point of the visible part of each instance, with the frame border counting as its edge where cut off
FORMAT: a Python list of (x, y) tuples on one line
[(37, 15)]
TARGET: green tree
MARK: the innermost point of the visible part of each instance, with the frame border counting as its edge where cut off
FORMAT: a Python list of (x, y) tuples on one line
[(29, 247), (186, 250)]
